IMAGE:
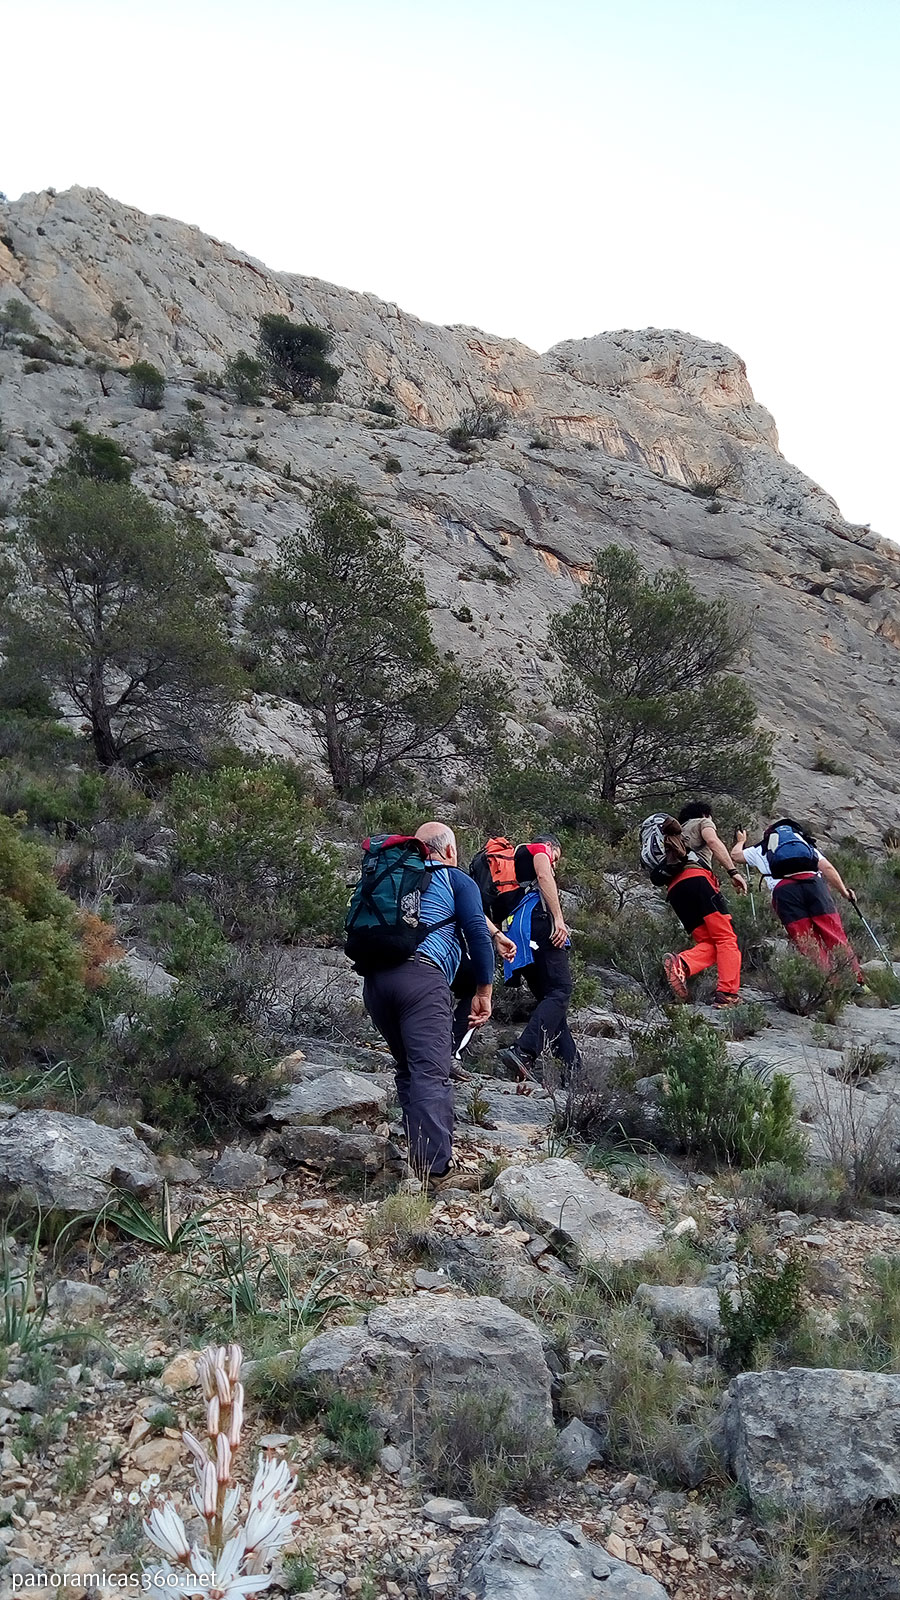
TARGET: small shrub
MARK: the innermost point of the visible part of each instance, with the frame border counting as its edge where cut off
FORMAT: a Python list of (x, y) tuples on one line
[(403, 1222), (829, 764), (745, 1020), (641, 1397), (15, 317), (713, 1107), (770, 1305), (807, 981), (819, 1192), (862, 1061), (121, 317), (147, 385), (393, 465), (42, 960), (474, 1451), (486, 419), (32, 366), (348, 1424), (193, 1062), (885, 985), (299, 1572), (245, 377), (382, 408)]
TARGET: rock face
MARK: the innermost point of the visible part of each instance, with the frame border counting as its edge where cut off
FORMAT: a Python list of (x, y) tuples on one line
[(823, 1441), (424, 1352), (66, 1163), (516, 1558), (632, 421), (579, 1211)]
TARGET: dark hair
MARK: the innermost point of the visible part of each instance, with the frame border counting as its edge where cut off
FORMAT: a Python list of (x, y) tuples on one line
[(548, 838), (695, 808)]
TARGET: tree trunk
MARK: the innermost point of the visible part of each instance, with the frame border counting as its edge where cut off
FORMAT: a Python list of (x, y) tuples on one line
[(336, 753), (101, 732)]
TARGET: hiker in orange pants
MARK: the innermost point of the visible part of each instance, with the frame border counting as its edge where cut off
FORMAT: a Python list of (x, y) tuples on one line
[(697, 901)]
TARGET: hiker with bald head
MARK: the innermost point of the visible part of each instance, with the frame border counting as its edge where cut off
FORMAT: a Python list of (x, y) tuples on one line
[(411, 916)]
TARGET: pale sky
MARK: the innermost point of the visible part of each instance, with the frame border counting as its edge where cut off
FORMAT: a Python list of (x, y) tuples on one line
[(728, 167)]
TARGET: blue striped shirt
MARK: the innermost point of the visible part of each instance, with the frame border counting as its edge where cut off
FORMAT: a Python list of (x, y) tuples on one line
[(452, 893)]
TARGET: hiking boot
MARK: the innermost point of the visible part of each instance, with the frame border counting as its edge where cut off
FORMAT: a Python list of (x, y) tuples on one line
[(721, 1002), (458, 1073), (677, 976), (453, 1177), (521, 1064)]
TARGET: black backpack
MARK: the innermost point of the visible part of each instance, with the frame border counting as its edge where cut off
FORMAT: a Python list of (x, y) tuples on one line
[(383, 926)]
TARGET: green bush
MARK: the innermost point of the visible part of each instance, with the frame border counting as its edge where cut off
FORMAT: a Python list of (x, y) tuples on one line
[(249, 835), (245, 377), (474, 1451), (95, 455), (348, 1424), (15, 317), (809, 983), (770, 1305), (486, 419), (148, 385), (42, 961), (296, 357), (714, 1108), (191, 1058)]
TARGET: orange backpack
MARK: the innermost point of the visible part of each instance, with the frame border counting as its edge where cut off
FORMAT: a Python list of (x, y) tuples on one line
[(494, 871)]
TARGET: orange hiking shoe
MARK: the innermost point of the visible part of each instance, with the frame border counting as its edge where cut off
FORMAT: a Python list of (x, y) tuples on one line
[(677, 976), (721, 1002)]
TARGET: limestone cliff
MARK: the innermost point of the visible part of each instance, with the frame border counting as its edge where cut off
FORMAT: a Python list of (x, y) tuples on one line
[(609, 436)]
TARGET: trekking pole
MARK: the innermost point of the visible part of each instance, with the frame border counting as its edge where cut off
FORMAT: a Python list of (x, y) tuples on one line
[(870, 931)]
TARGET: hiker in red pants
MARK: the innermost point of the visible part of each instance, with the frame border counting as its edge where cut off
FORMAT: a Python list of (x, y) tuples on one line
[(800, 879), (697, 901)]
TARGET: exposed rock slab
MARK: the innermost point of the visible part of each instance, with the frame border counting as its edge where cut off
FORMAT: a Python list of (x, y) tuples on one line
[(424, 1352), (578, 1211), (818, 1440), (66, 1163), (689, 1312), (318, 1097), (331, 1150), (516, 1558)]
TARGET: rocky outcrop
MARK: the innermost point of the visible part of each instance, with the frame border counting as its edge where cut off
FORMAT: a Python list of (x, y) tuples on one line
[(811, 1440), (580, 1212), (330, 1094), (516, 1558), (631, 421), (425, 1352), (65, 1163)]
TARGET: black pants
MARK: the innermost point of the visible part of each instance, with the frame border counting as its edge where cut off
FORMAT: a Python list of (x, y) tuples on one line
[(410, 1007), (549, 977)]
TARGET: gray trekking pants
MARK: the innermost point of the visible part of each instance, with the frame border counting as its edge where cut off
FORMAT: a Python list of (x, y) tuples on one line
[(410, 1006)]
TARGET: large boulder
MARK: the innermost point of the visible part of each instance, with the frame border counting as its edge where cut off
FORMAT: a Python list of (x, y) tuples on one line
[(65, 1163), (581, 1212), (423, 1352), (805, 1439), (316, 1099), (516, 1558)]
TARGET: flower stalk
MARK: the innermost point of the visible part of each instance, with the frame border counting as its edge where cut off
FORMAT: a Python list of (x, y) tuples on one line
[(232, 1564)]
